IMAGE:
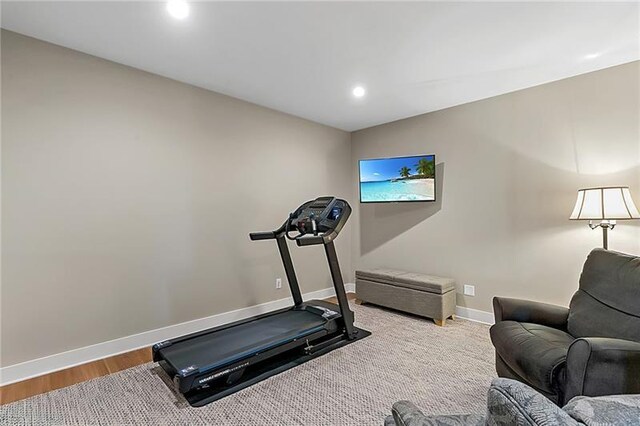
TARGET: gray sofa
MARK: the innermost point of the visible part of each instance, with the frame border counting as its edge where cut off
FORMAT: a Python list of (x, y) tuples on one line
[(513, 403), (591, 348)]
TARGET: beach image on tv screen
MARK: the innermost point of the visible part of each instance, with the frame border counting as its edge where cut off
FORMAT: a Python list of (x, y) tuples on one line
[(398, 179)]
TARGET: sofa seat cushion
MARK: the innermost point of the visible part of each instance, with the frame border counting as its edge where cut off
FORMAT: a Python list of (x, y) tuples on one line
[(535, 352), (412, 280)]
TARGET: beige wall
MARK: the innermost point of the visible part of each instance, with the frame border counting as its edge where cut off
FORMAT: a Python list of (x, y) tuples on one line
[(120, 188), (128, 197), (508, 170)]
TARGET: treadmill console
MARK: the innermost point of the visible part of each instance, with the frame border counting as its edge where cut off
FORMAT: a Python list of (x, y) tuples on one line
[(324, 215), (317, 221)]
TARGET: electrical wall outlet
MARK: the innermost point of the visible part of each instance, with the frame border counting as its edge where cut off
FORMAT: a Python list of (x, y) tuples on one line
[(278, 282), (469, 290)]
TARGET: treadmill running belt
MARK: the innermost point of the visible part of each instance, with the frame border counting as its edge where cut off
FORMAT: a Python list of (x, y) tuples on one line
[(213, 350)]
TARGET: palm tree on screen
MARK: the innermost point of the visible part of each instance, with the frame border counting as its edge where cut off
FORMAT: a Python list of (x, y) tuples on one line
[(405, 172), (425, 168)]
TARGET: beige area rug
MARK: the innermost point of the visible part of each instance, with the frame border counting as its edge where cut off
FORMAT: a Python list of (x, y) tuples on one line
[(443, 370)]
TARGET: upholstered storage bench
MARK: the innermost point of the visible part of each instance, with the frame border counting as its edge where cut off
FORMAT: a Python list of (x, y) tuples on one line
[(420, 294)]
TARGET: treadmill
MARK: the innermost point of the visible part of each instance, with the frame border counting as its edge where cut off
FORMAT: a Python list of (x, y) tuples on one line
[(211, 364)]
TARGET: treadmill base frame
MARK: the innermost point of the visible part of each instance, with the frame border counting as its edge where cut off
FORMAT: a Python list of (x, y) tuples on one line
[(202, 397)]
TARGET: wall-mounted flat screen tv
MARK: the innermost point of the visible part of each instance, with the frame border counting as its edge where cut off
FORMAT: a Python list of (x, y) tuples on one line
[(399, 179)]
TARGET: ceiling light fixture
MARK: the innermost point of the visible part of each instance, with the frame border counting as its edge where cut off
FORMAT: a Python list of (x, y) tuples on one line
[(592, 55), (358, 91), (179, 9)]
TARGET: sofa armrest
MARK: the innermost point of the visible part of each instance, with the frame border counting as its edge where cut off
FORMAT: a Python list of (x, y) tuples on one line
[(513, 403), (602, 366), (506, 309), (405, 413)]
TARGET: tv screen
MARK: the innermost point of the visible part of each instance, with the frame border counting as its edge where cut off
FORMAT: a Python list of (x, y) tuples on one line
[(388, 180)]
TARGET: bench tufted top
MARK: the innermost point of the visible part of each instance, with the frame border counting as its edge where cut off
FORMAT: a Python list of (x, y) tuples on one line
[(412, 280)]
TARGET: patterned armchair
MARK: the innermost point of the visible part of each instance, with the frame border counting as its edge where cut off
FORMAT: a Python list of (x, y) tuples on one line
[(510, 402)]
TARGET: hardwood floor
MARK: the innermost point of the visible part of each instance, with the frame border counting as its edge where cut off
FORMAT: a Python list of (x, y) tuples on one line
[(350, 296), (71, 376)]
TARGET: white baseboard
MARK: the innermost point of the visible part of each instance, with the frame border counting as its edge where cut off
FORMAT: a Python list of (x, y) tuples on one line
[(474, 315), (38, 367)]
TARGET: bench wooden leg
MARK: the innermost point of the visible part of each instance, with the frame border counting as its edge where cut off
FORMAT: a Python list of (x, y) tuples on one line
[(453, 317), (441, 323)]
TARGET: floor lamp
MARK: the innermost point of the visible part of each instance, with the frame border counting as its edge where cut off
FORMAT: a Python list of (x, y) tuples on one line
[(606, 204)]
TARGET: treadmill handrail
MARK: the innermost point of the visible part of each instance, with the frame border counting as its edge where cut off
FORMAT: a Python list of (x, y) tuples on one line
[(304, 240), (268, 235)]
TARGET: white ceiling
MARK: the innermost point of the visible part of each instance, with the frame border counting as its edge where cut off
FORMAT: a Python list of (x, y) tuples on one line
[(304, 58)]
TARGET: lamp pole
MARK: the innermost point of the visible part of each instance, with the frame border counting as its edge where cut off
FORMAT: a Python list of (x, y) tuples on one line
[(605, 225)]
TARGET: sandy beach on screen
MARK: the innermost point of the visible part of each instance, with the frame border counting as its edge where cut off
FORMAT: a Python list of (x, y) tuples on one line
[(423, 188)]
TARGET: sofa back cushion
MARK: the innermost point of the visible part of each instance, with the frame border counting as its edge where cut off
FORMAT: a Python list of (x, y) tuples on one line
[(607, 303)]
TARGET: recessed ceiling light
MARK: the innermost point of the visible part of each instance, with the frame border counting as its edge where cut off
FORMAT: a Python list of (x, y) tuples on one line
[(358, 91), (592, 55), (179, 9)]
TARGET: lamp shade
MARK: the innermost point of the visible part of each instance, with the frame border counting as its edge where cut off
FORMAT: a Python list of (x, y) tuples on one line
[(605, 203)]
